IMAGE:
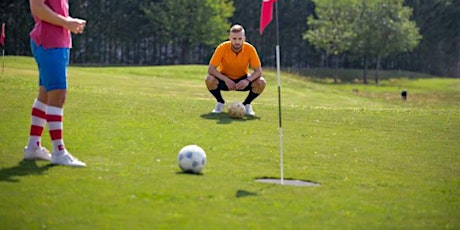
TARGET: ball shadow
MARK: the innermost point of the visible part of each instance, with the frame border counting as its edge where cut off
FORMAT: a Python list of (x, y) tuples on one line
[(189, 173)]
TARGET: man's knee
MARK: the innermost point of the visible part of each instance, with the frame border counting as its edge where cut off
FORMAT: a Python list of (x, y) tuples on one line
[(211, 82), (57, 97), (258, 85)]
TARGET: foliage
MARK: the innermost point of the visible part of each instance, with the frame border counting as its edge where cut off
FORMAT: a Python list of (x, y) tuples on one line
[(333, 29), (396, 32), (190, 22), (384, 28), (365, 28), (439, 23), (122, 33)]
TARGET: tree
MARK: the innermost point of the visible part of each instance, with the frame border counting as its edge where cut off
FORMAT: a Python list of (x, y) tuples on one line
[(128, 32), (186, 23), (439, 50), (294, 52), (383, 28), (18, 24), (332, 30), (370, 29)]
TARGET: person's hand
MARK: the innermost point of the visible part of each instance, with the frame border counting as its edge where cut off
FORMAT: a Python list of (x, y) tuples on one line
[(242, 84), (230, 84), (76, 25)]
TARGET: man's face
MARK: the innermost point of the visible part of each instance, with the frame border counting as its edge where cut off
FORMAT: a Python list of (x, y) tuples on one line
[(237, 40)]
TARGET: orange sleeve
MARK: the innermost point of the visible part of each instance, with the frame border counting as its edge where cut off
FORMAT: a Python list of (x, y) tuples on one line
[(254, 60), (216, 58)]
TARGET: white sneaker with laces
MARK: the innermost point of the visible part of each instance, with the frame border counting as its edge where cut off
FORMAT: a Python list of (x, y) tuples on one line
[(39, 153), (67, 159), (219, 108), (248, 109)]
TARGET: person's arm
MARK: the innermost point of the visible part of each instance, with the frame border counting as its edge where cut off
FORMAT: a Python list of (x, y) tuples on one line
[(43, 12), (212, 70), (255, 64), (256, 74)]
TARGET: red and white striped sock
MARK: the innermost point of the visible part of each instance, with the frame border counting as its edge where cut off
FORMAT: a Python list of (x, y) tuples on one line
[(54, 117), (37, 124)]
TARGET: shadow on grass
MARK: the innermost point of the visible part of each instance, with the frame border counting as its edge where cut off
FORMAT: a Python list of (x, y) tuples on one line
[(287, 181), (24, 168), (223, 118), (243, 193), (189, 173)]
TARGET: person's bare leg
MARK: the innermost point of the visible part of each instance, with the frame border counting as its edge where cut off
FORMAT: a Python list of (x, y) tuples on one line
[(258, 86), (56, 97), (34, 149)]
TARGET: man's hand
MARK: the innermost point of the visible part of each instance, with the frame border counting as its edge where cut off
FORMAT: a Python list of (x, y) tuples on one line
[(230, 84), (242, 84), (75, 25)]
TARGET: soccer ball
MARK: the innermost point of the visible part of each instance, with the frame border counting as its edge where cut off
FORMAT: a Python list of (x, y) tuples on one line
[(191, 159), (236, 110)]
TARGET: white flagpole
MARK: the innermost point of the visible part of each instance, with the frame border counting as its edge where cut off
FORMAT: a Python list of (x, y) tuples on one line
[(279, 93), (3, 60), (3, 46)]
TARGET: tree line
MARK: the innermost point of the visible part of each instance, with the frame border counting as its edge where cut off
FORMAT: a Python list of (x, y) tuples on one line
[(165, 32)]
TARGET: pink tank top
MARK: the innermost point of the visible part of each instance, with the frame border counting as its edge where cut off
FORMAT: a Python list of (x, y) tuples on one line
[(49, 35)]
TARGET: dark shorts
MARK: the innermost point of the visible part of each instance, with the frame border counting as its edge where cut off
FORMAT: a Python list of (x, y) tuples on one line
[(223, 86)]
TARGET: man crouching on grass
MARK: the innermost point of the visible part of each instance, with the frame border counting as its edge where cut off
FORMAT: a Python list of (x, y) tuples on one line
[(229, 70)]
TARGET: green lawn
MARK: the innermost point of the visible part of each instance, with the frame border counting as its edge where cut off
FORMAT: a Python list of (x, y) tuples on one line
[(381, 162)]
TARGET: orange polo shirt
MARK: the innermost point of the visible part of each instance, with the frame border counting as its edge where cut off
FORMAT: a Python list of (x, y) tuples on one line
[(235, 65)]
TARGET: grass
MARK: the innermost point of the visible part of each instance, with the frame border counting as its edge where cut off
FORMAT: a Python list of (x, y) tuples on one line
[(356, 75), (382, 163)]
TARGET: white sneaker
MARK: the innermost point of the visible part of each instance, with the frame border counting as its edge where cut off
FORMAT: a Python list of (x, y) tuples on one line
[(67, 159), (219, 108), (39, 153), (248, 109)]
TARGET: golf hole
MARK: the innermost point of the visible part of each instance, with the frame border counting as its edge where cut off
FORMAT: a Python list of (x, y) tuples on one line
[(292, 182)]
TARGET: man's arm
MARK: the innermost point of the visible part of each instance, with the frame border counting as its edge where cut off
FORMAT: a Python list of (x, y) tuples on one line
[(212, 70), (256, 74)]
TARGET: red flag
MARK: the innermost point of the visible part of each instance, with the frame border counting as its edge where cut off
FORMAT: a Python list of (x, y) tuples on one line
[(266, 14), (2, 37)]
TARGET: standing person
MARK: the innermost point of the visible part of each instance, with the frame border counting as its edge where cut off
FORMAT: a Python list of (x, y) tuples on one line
[(229, 70), (50, 43)]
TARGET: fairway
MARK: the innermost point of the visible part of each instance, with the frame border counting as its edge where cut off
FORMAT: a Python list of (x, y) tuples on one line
[(381, 162)]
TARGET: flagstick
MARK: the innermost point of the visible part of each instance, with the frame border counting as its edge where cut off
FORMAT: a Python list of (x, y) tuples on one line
[(2, 37), (3, 60), (279, 93)]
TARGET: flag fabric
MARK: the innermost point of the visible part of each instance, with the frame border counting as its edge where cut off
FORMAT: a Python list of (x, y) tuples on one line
[(266, 14), (2, 36)]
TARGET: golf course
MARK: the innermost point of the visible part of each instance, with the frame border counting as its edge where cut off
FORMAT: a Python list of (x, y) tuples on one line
[(380, 162)]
